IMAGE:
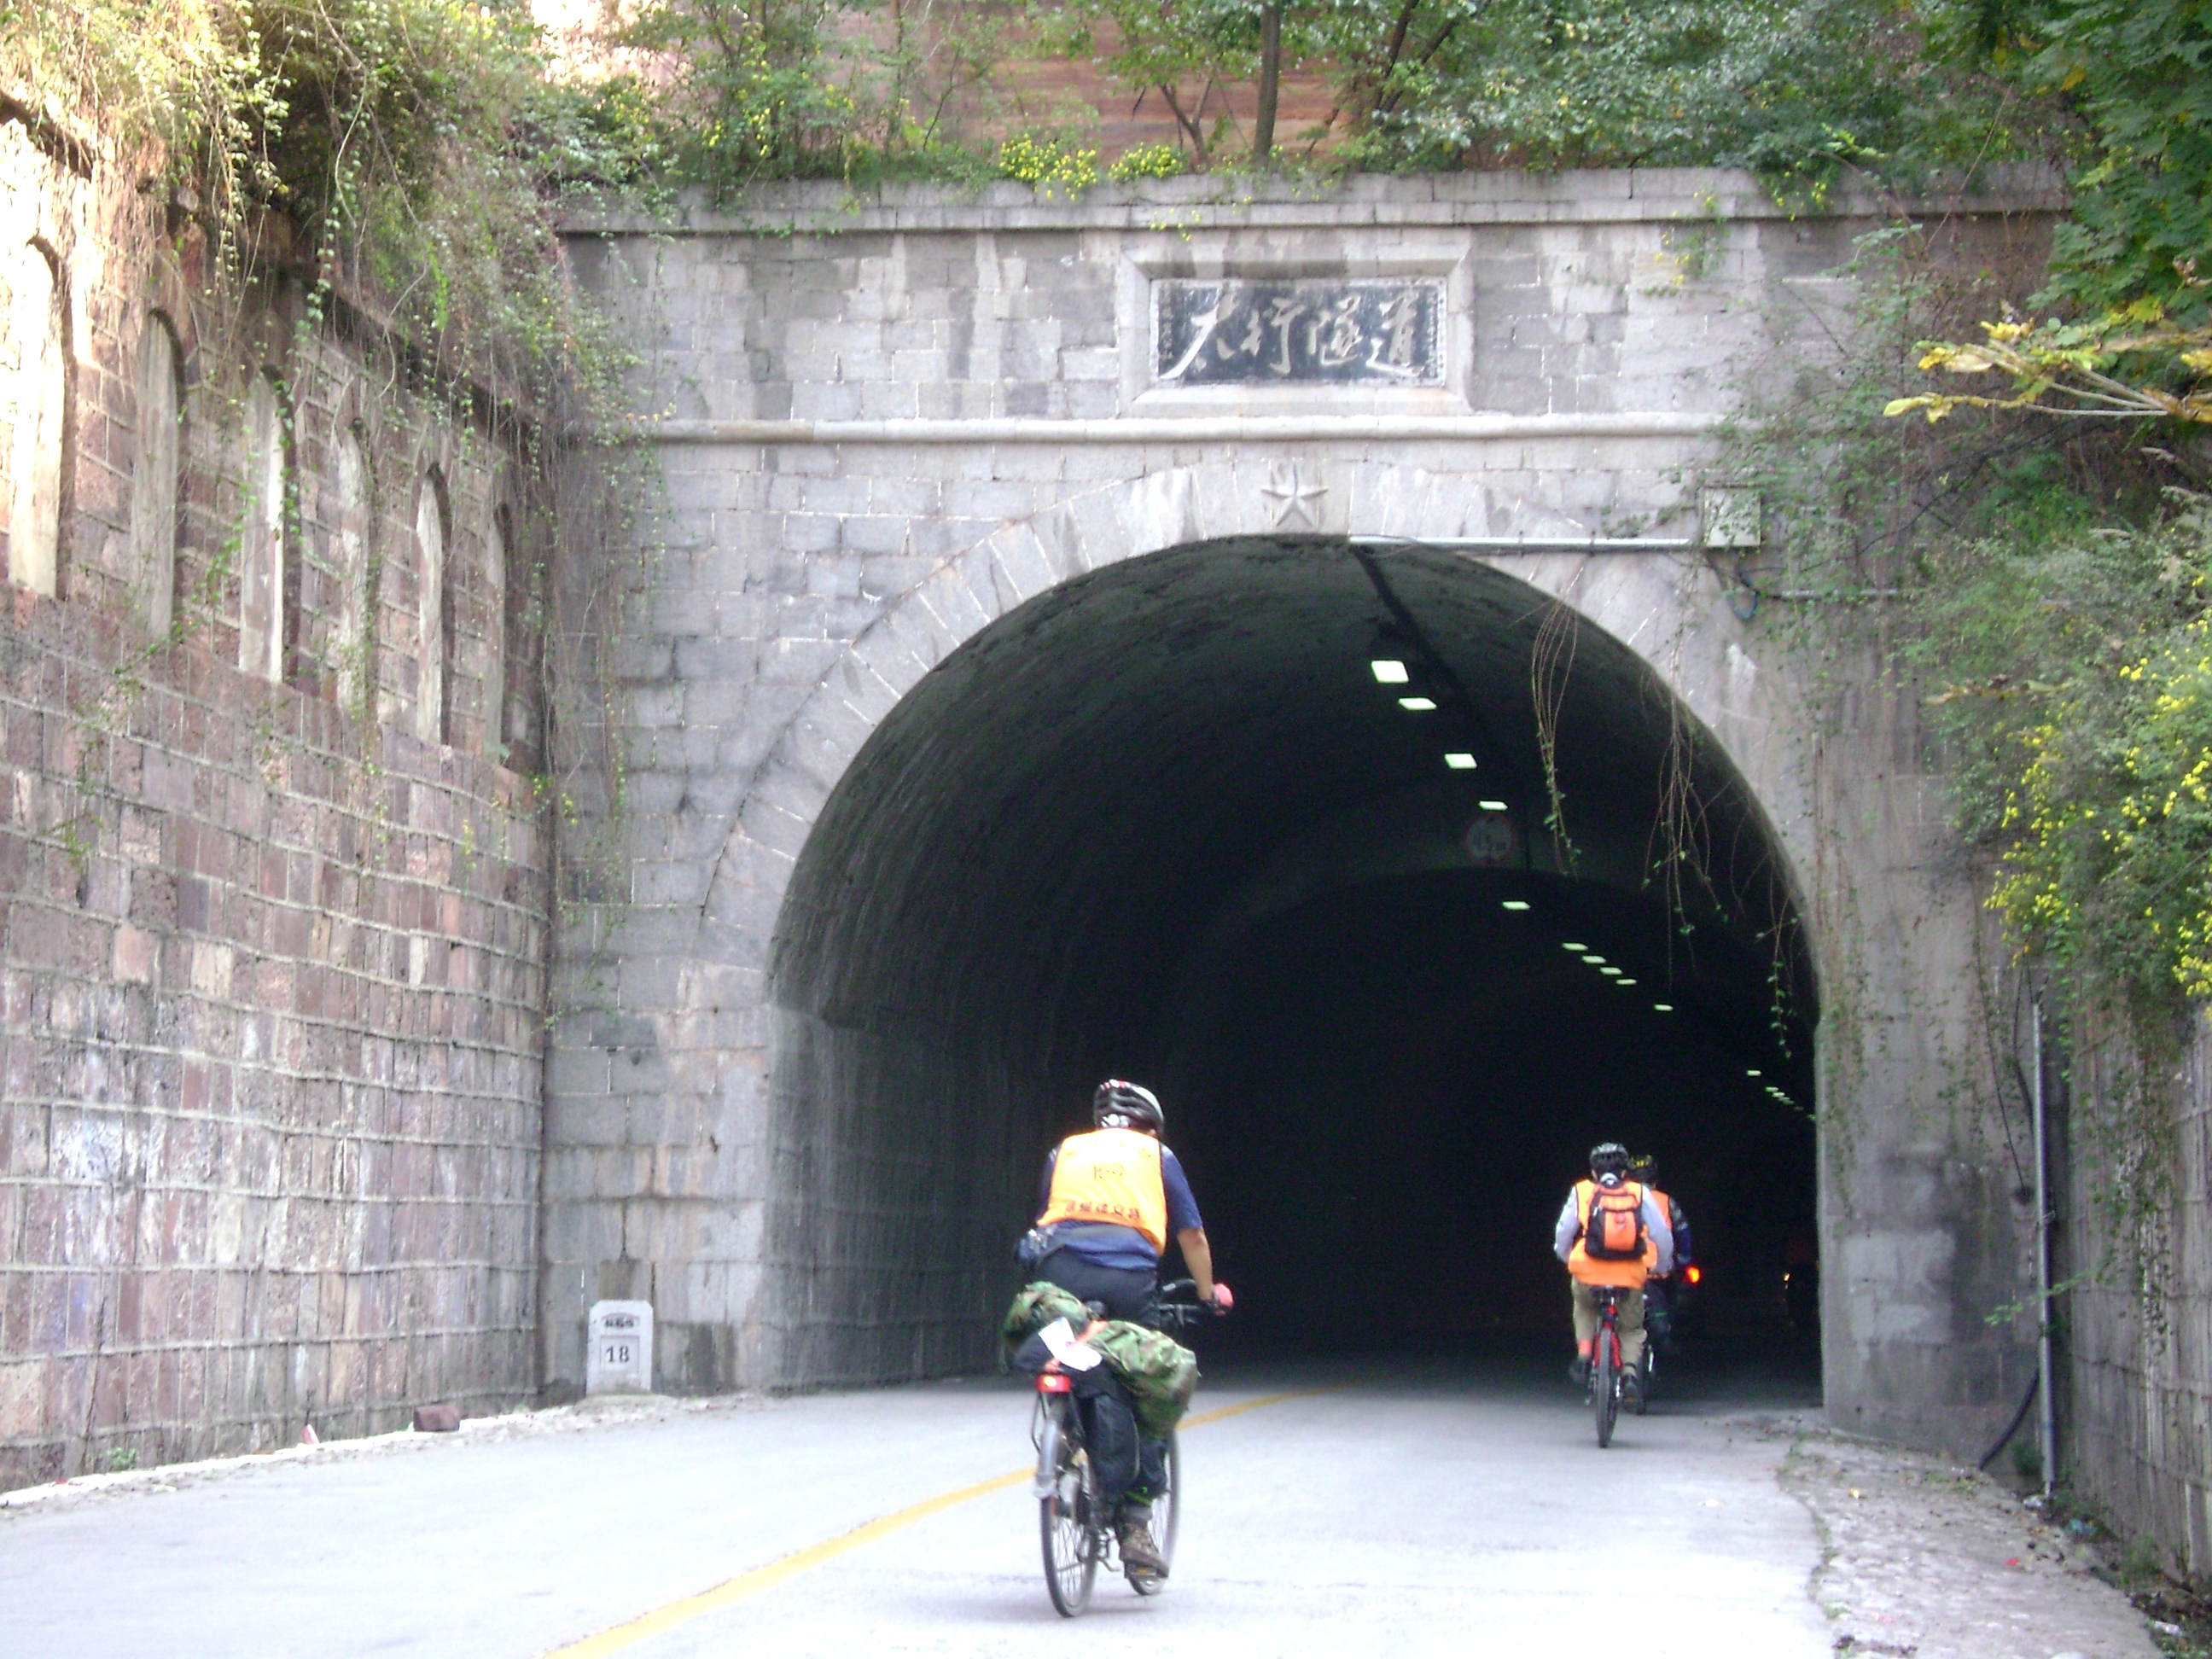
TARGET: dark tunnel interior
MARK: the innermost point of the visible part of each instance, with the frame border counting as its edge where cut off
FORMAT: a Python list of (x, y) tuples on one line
[(1168, 821)]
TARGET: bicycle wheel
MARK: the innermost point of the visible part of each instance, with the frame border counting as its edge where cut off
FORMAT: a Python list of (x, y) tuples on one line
[(1067, 1502), (1167, 1516), (1605, 1384)]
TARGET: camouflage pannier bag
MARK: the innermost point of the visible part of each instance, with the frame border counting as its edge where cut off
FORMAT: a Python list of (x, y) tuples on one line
[(1036, 1306), (1159, 1372)]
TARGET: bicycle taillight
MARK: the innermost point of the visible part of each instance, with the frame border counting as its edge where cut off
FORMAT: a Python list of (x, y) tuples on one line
[(1055, 1382)]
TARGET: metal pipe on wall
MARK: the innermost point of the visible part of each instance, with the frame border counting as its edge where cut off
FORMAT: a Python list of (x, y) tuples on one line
[(2046, 1435)]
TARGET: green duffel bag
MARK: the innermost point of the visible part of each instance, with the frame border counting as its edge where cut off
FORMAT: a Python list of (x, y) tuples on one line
[(1159, 1373), (1036, 1306)]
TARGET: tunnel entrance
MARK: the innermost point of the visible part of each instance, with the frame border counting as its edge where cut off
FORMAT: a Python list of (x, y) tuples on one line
[(1268, 824)]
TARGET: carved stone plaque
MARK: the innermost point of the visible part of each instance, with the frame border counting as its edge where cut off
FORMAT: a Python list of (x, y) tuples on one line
[(1385, 331)]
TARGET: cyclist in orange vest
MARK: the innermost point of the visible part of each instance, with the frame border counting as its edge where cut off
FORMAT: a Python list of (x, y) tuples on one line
[(1658, 1303), (1624, 1261), (1111, 1199)]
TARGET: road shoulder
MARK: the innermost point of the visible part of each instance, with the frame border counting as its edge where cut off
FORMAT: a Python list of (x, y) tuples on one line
[(1921, 1557)]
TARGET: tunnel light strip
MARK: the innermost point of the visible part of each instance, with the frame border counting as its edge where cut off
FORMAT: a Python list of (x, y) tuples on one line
[(1662, 1007), (1389, 672), (1593, 961), (1573, 944), (1460, 760), (1492, 805), (1418, 705), (1623, 981), (1516, 904)]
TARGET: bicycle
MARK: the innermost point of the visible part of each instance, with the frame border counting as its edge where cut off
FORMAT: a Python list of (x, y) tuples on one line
[(1605, 1363), (1074, 1522)]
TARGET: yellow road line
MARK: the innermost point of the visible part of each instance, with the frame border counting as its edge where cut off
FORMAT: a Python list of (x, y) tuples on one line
[(667, 1617), (1204, 1417)]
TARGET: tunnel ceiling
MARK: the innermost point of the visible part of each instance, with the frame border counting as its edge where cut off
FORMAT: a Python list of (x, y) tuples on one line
[(1027, 852)]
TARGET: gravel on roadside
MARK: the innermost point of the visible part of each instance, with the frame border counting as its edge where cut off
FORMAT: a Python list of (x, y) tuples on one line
[(1923, 1557)]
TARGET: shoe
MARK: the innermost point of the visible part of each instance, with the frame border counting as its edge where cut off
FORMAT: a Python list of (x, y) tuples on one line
[(1578, 1372), (1141, 1556), (1631, 1387)]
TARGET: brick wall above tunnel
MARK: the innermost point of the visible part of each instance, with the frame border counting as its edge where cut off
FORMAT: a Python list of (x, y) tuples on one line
[(888, 423)]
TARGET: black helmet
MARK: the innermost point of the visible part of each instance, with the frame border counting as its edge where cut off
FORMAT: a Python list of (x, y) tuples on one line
[(1119, 1105), (1643, 1167), (1608, 1157)]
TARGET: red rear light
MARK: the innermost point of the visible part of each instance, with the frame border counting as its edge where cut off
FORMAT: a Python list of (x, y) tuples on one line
[(1693, 1274), (1055, 1382)]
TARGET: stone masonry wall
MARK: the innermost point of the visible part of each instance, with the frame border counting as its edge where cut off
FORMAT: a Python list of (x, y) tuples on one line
[(2135, 1325), (884, 425), (271, 964)]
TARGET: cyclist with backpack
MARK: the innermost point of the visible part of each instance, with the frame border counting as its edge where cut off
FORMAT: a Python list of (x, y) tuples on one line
[(1110, 1200), (1611, 1232)]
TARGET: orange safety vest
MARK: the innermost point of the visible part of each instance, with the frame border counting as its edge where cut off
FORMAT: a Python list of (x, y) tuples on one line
[(1111, 1175), (1628, 1275)]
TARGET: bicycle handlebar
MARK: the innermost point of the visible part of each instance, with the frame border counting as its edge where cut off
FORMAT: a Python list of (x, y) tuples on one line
[(1171, 1307)]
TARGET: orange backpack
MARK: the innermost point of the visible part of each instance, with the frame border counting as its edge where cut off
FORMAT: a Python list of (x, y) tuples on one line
[(1613, 1229)]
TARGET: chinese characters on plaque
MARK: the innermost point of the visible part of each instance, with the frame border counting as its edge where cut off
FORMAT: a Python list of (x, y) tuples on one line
[(1316, 331)]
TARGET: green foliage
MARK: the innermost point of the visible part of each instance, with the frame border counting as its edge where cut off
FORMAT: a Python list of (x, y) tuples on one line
[(744, 91), (1175, 50), (2071, 663), (2139, 73), (1796, 90), (419, 148)]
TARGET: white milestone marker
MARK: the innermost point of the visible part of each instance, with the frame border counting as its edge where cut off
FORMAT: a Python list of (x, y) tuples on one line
[(618, 1357)]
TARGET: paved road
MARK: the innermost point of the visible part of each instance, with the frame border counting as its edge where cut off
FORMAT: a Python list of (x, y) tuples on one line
[(1403, 1511)]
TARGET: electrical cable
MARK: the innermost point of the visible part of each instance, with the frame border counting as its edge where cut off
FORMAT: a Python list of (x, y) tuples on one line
[(2034, 1387)]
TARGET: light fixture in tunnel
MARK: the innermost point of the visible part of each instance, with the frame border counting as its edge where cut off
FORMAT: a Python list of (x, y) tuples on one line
[(1492, 805), (1389, 672), (1574, 945), (1754, 1072), (1418, 705), (1460, 760), (1608, 971), (1593, 961), (1516, 904), (1662, 1007), (1623, 981)]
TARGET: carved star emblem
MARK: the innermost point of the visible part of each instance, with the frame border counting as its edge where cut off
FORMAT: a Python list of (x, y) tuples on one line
[(1293, 499)]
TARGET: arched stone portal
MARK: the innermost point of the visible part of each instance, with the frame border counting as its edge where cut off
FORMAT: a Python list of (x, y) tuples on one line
[(912, 883), (920, 448)]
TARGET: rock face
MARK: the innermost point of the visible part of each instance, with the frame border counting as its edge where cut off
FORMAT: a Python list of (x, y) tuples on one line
[(976, 701)]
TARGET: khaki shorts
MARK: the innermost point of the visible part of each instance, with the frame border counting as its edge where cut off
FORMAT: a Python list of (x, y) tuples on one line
[(1630, 1320)]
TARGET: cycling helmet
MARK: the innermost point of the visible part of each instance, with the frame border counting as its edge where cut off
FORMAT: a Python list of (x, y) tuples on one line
[(1119, 1105), (1643, 1168), (1608, 1157)]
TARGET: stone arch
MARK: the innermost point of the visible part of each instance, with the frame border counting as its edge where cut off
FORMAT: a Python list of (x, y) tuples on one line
[(1667, 609), (433, 522), (721, 1037), (268, 589), (155, 470), (352, 518), (39, 414)]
